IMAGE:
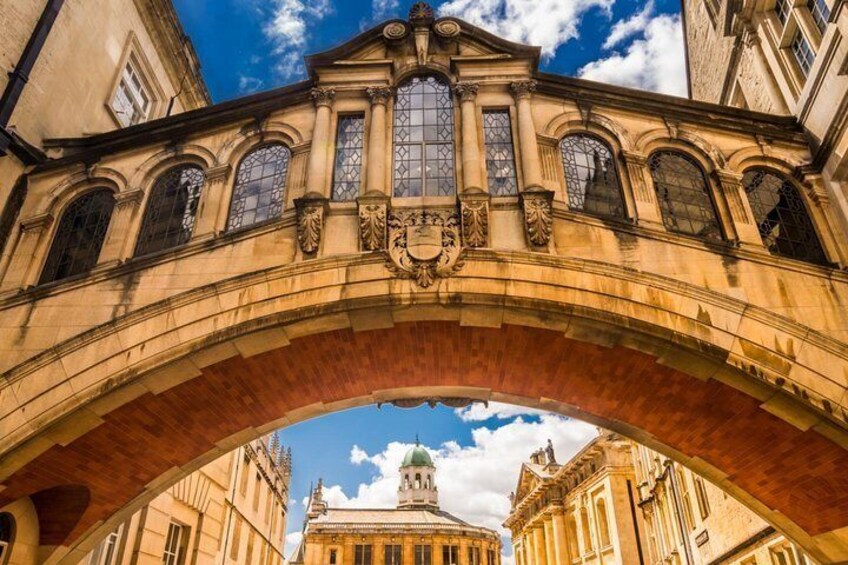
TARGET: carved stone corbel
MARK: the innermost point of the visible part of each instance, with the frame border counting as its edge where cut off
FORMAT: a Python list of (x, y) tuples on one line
[(538, 215), (311, 212), (373, 215), (474, 218)]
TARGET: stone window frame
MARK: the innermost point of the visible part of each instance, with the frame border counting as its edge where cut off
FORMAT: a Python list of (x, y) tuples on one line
[(337, 118), (799, 20), (285, 186), (133, 51), (627, 207), (516, 172)]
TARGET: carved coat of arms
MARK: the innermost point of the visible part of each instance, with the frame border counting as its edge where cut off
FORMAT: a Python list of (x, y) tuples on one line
[(424, 245)]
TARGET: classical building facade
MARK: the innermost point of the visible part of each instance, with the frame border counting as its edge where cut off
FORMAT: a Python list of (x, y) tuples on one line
[(416, 532), (581, 511), (59, 80), (427, 216), (232, 510)]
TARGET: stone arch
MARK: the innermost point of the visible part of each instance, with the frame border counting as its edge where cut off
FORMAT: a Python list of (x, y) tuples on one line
[(599, 333), (25, 537), (433, 68), (254, 135), (710, 157), (754, 156), (75, 185), (606, 128), (146, 174)]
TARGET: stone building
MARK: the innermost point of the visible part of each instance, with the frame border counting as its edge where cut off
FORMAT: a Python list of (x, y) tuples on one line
[(581, 511), (232, 510), (781, 57), (408, 222), (417, 532), (690, 521), (65, 81)]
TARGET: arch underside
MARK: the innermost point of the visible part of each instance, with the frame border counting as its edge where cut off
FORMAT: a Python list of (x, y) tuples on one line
[(240, 362)]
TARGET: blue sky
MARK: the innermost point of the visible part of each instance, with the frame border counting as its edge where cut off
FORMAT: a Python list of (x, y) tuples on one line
[(478, 452), (253, 45)]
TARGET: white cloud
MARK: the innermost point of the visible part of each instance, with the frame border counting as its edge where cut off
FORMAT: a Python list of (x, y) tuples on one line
[(287, 30), (654, 63), (624, 29), (473, 480), (546, 23), (383, 9), (292, 541), (479, 412), (249, 84)]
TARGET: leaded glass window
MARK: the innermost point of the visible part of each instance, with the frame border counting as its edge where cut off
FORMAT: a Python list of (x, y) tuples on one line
[(782, 217), (820, 13), (500, 157), (79, 236), (260, 186), (347, 174), (804, 54), (171, 210), (684, 196), (783, 8), (423, 139), (591, 180)]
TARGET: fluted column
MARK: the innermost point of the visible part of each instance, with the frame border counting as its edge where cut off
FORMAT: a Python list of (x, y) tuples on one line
[(741, 217), (550, 553), (316, 172), (116, 245), (21, 271), (560, 543), (531, 166), (375, 174), (471, 176)]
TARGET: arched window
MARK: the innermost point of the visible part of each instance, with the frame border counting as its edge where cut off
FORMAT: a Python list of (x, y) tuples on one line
[(260, 186), (588, 544), (423, 139), (603, 522), (171, 210), (7, 536), (79, 236), (417, 480), (590, 176), (684, 196), (782, 217)]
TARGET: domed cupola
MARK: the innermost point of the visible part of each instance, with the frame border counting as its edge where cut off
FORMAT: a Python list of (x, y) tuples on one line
[(417, 480)]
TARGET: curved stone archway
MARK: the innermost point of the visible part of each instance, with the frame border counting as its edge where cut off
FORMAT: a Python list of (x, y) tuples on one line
[(745, 397)]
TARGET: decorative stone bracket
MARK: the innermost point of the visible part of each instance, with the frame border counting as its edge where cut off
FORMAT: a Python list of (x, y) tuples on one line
[(537, 205), (433, 401), (311, 212), (474, 216), (373, 215)]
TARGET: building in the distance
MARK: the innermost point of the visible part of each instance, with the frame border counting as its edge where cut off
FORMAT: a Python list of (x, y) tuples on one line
[(230, 511), (416, 532), (582, 511), (617, 502)]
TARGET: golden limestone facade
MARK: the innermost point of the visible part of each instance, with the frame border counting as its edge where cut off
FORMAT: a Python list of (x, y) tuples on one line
[(426, 216), (232, 510), (417, 532)]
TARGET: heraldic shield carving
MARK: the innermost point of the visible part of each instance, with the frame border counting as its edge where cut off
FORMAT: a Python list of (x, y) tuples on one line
[(424, 245)]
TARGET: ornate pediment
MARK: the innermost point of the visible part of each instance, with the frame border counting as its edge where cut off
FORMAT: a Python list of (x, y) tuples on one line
[(527, 481), (422, 40)]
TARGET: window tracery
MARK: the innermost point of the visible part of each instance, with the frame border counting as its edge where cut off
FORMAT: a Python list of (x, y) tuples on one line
[(590, 176), (171, 210), (260, 186), (684, 195)]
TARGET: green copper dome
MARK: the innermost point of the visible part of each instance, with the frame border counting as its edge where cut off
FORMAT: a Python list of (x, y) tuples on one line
[(417, 456)]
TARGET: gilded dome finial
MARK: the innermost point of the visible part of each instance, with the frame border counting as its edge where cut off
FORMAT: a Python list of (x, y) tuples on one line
[(420, 12)]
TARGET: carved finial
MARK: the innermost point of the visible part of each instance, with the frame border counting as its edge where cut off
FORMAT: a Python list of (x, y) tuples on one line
[(522, 88), (421, 13), (323, 96), (467, 91)]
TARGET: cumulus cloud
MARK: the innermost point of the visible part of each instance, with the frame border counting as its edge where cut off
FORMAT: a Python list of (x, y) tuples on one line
[(479, 412), (292, 541), (546, 23), (625, 29), (383, 9), (655, 62), (473, 480), (249, 84), (287, 29)]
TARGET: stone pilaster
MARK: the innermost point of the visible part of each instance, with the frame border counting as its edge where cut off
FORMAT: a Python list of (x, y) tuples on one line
[(22, 271), (822, 215), (471, 176), (117, 246), (560, 543), (531, 167), (644, 195), (741, 220), (550, 552), (375, 174), (316, 172), (213, 208)]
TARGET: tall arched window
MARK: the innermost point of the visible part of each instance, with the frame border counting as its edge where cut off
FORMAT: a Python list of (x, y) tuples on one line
[(782, 217), (603, 522), (171, 210), (590, 176), (79, 236), (260, 186), (423, 139), (684, 195)]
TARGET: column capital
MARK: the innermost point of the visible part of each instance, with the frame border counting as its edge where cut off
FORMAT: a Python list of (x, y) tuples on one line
[(219, 173), (466, 90), (523, 88), (128, 197), (634, 157), (726, 177), (37, 223), (323, 96), (379, 94)]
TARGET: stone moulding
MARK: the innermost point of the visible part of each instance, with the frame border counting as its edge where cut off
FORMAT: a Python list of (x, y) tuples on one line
[(433, 401), (537, 205), (311, 210), (424, 245)]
